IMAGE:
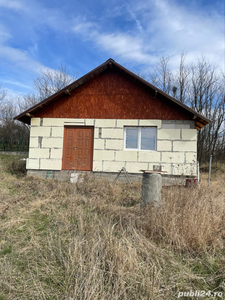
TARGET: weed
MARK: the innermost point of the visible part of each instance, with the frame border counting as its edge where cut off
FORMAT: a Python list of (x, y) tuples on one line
[(93, 240), (7, 250)]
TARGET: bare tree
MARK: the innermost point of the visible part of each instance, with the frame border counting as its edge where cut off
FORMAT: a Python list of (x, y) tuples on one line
[(162, 77), (182, 78), (12, 133), (52, 81), (48, 83), (27, 101), (199, 86), (206, 96)]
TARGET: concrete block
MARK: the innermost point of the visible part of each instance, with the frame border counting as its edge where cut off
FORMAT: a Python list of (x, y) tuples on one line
[(35, 121), (99, 144), (185, 146), (191, 157), (114, 144), (38, 153), (53, 121), (173, 157), (136, 167), (149, 156), (105, 123), (126, 156), (184, 169), (122, 123), (52, 143), (150, 166), (189, 134), (112, 133), (167, 168), (155, 123), (183, 126), (74, 122), (164, 145), (97, 166), (112, 166), (33, 142), (176, 126), (75, 177), (171, 180), (169, 134), (89, 122), (56, 153), (40, 131), (96, 132), (32, 163), (57, 131), (51, 164), (103, 155)]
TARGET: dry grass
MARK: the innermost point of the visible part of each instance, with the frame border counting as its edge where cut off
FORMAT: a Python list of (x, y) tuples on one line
[(93, 240), (189, 220)]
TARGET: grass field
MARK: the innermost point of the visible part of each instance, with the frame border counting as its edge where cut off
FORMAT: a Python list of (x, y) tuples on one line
[(93, 240)]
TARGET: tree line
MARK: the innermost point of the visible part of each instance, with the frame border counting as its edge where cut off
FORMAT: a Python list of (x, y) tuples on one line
[(15, 134), (199, 84)]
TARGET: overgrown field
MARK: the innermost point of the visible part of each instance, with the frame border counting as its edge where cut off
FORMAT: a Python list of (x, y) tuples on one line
[(93, 239)]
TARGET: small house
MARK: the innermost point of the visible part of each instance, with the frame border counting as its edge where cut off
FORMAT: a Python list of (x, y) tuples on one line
[(111, 119)]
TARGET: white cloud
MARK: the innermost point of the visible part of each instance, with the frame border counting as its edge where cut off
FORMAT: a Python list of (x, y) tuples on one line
[(85, 28), (120, 44), (139, 26), (173, 27), (12, 4), (134, 31), (125, 46), (20, 58), (4, 34), (15, 83), (170, 28)]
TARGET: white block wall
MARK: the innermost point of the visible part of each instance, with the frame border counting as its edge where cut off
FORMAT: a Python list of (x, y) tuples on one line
[(176, 148)]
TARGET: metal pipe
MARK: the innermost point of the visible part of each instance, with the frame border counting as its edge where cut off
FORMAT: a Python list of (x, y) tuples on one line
[(210, 166), (198, 172)]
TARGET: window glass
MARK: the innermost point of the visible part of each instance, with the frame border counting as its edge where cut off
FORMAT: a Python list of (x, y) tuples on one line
[(132, 138), (148, 138)]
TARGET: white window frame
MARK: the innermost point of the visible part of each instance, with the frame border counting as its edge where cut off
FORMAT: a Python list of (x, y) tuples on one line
[(139, 138)]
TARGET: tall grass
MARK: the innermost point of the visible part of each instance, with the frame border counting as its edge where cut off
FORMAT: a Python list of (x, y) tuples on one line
[(188, 220), (93, 240)]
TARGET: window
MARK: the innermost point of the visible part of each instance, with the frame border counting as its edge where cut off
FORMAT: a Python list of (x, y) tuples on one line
[(140, 138)]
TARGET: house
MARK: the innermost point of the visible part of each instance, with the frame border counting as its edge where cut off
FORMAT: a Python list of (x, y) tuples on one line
[(109, 119)]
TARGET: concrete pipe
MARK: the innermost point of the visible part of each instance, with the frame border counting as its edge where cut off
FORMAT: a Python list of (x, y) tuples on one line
[(151, 188)]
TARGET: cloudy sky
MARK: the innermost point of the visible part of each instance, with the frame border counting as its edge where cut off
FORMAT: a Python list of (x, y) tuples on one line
[(39, 35)]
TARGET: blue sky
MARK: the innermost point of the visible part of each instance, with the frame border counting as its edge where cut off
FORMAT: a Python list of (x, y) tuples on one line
[(40, 35)]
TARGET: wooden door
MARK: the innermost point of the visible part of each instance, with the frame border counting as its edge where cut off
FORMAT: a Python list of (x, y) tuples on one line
[(78, 148)]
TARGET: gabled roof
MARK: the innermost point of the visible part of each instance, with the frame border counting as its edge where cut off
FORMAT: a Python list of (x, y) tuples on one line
[(200, 120)]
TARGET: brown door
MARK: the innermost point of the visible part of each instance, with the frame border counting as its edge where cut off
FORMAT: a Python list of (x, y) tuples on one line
[(78, 148)]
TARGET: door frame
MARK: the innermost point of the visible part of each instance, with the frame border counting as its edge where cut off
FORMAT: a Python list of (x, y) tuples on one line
[(64, 144)]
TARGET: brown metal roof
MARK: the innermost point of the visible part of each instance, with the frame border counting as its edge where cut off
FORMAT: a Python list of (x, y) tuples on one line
[(200, 120)]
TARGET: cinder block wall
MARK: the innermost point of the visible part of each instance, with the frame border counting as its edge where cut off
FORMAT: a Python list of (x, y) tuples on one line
[(176, 145)]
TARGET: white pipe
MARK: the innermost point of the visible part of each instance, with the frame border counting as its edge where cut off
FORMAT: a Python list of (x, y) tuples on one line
[(198, 172), (210, 166)]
